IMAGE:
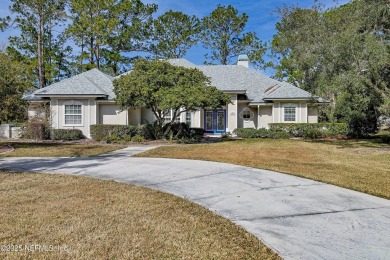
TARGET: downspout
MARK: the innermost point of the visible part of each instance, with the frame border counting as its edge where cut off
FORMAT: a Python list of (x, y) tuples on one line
[(258, 116)]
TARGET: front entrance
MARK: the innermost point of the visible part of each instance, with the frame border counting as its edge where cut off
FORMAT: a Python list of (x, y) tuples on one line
[(215, 121)]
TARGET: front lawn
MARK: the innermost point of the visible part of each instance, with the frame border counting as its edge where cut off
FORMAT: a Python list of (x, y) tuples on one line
[(359, 165), (85, 218), (36, 149)]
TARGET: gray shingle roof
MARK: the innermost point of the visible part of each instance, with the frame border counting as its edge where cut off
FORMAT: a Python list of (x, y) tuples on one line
[(92, 82), (259, 88)]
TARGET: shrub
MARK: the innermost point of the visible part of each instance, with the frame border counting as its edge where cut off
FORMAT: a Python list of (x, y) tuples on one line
[(151, 131), (67, 134), (315, 133), (298, 130), (110, 133), (246, 132), (273, 134), (138, 139), (196, 133), (115, 139), (177, 131), (191, 140), (385, 139), (36, 129), (261, 133)]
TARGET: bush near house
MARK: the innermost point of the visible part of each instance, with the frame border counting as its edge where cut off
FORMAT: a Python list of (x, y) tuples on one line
[(181, 131), (315, 130), (177, 131), (261, 133), (67, 134), (37, 129), (117, 132)]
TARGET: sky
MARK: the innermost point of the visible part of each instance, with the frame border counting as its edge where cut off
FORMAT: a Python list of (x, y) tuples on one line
[(262, 17)]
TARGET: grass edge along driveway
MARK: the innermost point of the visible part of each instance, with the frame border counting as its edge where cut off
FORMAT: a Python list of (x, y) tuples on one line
[(36, 149), (358, 165)]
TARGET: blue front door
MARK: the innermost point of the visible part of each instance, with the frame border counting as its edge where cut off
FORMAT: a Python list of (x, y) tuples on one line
[(215, 121)]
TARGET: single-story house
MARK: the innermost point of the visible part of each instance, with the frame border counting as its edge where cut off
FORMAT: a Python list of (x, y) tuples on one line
[(257, 100)]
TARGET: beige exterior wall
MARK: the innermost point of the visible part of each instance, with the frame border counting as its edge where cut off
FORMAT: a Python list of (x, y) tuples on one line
[(88, 114), (312, 115), (35, 110), (110, 114), (246, 123), (265, 116), (232, 114), (147, 116), (301, 112), (134, 116)]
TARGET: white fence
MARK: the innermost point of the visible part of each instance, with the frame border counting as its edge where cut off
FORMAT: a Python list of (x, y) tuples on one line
[(10, 131)]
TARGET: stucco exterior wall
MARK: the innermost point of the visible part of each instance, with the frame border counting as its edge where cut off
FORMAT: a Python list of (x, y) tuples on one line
[(312, 115), (110, 114), (36, 110), (147, 116), (232, 114), (246, 123), (265, 116), (134, 116), (57, 113), (301, 111)]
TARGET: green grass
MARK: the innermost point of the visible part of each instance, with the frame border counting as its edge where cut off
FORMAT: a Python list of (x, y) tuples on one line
[(35, 149), (99, 219), (362, 165)]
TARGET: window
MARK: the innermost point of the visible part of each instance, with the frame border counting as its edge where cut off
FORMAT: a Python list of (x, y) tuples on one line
[(246, 114), (73, 115), (188, 118), (289, 114), (168, 117)]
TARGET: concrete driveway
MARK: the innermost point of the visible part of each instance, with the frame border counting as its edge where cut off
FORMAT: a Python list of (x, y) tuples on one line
[(299, 218)]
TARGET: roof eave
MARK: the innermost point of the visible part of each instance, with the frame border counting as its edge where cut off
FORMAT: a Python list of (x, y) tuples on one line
[(71, 95), (234, 91)]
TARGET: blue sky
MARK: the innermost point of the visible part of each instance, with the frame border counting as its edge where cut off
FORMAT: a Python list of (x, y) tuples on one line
[(262, 19)]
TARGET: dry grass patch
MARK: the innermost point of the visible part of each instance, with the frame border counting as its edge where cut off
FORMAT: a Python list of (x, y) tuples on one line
[(358, 165), (97, 219), (24, 149)]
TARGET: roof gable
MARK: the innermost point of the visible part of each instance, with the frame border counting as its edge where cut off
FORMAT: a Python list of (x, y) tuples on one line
[(92, 82)]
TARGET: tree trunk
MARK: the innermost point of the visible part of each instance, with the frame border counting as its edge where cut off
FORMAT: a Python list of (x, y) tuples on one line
[(41, 66), (91, 49), (97, 56)]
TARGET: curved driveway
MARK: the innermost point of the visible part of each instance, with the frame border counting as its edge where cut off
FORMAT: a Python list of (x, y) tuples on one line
[(299, 218)]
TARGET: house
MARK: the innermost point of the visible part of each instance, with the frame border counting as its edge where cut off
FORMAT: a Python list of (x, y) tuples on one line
[(257, 100)]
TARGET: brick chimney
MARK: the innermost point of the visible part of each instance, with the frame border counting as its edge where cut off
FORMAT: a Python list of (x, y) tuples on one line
[(243, 60)]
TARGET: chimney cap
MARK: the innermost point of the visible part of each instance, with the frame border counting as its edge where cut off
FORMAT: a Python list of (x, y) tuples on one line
[(243, 57)]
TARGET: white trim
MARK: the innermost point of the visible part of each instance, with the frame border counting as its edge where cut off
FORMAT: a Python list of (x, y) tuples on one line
[(74, 102), (58, 115), (89, 116)]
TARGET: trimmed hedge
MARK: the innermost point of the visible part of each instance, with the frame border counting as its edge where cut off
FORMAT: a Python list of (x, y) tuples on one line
[(311, 130), (117, 132), (125, 133), (261, 133), (67, 134)]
